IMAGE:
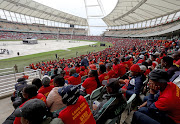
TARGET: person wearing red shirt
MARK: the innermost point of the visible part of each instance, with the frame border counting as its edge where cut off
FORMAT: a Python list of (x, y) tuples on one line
[(91, 83), (103, 74), (83, 71), (77, 110), (74, 78), (111, 72), (164, 106), (30, 92), (46, 88), (119, 69)]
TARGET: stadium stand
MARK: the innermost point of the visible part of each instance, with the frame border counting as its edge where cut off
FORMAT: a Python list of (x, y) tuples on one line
[(153, 92), (144, 32)]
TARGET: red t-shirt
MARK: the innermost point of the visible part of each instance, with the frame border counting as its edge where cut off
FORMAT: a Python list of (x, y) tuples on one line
[(140, 61), (45, 90), (78, 113), (90, 84), (38, 96), (111, 74), (83, 73), (102, 77), (119, 69), (169, 101), (74, 80), (77, 70)]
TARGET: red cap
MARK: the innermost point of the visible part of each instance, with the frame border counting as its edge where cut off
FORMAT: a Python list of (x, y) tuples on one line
[(101, 63), (135, 68), (93, 67)]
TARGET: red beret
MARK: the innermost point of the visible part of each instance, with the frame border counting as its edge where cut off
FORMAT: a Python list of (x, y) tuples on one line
[(135, 68), (83, 68)]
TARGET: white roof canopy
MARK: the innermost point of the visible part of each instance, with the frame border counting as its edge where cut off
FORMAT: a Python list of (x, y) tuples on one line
[(134, 11), (35, 9)]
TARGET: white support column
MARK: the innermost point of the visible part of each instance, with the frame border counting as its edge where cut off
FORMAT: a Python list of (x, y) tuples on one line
[(4, 14)]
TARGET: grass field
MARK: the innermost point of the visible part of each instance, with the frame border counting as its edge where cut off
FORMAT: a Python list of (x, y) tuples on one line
[(22, 61)]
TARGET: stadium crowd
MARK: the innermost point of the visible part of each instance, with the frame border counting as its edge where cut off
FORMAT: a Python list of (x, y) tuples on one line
[(119, 71)]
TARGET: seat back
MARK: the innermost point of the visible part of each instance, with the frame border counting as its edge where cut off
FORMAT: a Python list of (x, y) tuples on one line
[(129, 102), (95, 95), (111, 110), (83, 78)]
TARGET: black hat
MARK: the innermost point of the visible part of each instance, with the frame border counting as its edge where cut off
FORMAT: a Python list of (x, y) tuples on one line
[(34, 109), (159, 75), (69, 94)]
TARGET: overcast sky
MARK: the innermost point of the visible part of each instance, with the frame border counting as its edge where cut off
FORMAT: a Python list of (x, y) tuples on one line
[(77, 7)]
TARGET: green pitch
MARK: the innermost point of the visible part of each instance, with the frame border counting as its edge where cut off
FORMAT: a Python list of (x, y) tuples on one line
[(23, 61)]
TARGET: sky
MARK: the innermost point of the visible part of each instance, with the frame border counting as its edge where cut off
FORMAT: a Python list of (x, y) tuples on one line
[(77, 7)]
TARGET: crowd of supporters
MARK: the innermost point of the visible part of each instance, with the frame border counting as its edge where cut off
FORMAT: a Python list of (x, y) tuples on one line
[(66, 83)]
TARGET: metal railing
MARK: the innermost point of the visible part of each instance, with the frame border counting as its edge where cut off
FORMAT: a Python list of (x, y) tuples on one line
[(8, 78)]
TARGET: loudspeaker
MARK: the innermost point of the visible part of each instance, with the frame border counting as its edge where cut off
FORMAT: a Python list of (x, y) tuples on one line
[(102, 44)]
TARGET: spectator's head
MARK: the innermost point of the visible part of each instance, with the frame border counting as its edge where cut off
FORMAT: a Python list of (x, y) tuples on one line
[(112, 85), (167, 61), (143, 68), (123, 59), (153, 57), (135, 70), (158, 79), (94, 73), (102, 69), (29, 91), (115, 61), (55, 71), (46, 81), (69, 94), (176, 56), (58, 81), (32, 112), (72, 71), (63, 73), (108, 66), (83, 68), (37, 82)]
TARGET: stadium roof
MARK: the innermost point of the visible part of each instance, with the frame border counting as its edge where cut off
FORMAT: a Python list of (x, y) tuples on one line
[(134, 11), (35, 9)]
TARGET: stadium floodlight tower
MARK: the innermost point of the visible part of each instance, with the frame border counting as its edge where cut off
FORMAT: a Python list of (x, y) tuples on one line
[(88, 6)]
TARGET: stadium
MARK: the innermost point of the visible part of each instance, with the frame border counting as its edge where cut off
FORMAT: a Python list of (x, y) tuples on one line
[(88, 62)]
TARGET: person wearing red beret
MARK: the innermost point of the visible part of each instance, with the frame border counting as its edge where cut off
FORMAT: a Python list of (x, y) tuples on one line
[(136, 82)]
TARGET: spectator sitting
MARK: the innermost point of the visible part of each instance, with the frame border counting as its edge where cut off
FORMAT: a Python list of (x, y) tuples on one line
[(164, 107), (84, 61), (119, 69), (114, 98), (135, 83), (55, 73), (54, 100), (83, 71), (74, 78), (30, 92), (46, 88), (37, 82), (21, 83), (77, 110), (102, 74), (35, 111), (167, 62), (110, 71), (91, 83)]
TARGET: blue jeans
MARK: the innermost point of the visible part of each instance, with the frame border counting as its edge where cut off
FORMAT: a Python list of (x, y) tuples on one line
[(145, 116)]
